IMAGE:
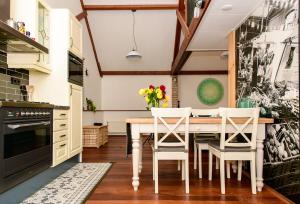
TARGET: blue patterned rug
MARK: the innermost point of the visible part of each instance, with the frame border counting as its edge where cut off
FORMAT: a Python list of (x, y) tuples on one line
[(73, 186)]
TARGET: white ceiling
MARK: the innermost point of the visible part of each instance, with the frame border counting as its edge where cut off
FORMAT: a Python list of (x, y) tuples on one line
[(155, 36), (216, 24)]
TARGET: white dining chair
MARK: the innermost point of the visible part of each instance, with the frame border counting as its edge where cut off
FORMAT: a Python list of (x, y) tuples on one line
[(202, 139), (166, 149), (232, 149)]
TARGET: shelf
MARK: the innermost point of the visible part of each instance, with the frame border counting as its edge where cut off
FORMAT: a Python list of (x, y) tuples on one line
[(12, 41), (33, 67)]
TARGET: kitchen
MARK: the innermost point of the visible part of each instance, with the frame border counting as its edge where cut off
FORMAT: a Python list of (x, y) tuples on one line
[(89, 87)]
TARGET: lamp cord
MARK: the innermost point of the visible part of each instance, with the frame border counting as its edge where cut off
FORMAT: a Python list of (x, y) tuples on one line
[(133, 30)]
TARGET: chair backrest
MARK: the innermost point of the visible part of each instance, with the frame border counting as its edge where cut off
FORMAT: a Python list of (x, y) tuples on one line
[(205, 112), (248, 116), (179, 116)]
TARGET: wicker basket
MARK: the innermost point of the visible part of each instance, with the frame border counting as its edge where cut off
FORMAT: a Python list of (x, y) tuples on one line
[(94, 136), (104, 133)]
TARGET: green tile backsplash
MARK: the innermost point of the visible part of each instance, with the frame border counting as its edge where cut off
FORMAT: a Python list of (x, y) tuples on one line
[(12, 81)]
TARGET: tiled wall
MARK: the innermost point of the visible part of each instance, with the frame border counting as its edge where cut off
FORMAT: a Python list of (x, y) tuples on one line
[(12, 81), (175, 92)]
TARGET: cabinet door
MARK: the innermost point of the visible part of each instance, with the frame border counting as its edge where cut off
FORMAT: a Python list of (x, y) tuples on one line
[(43, 23), (75, 138), (76, 37), (60, 152)]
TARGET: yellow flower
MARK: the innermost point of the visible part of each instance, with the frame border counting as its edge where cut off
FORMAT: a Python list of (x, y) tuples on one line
[(165, 105), (142, 92), (150, 91), (158, 91), (167, 98), (147, 99), (159, 95)]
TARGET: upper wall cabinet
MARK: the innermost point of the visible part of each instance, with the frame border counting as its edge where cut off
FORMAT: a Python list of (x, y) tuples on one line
[(75, 36), (35, 15)]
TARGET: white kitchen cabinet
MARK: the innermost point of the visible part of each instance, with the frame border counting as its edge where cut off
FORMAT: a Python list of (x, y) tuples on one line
[(75, 138), (60, 136), (75, 36), (36, 16)]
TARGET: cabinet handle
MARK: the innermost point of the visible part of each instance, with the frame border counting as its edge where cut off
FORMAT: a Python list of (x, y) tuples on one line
[(63, 135), (62, 125), (63, 114), (71, 91), (62, 145)]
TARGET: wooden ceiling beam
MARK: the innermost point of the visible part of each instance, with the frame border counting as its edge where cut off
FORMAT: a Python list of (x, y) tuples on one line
[(132, 7), (177, 40), (204, 72), (115, 73), (181, 57), (92, 40), (81, 16), (182, 8), (183, 24), (184, 72)]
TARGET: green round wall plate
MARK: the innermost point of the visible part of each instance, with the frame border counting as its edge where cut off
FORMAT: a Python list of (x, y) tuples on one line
[(210, 91)]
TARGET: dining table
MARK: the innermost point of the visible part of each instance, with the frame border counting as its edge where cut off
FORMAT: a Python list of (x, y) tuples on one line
[(140, 126)]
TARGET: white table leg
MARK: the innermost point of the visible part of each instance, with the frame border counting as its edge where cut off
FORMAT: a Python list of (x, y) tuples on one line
[(260, 157), (141, 156), (135, 156)]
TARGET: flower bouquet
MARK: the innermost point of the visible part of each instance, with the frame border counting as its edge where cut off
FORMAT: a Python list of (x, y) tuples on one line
[(155, 96)]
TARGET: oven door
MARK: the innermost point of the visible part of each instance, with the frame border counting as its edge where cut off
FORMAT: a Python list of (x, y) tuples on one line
[(75, 70), (26, 144)]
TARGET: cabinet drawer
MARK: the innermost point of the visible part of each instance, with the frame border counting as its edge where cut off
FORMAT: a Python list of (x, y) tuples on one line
[(60, 152), (60, 125), (61, 114), (60, 136)]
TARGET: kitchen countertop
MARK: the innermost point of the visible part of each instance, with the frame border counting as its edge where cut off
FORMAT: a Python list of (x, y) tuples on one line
[(30, 104), (25, 104)]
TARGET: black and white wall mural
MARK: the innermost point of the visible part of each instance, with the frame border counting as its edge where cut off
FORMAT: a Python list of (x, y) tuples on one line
[(268, 77)]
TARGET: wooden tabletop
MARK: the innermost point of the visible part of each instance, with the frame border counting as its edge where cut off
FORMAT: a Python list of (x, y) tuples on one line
[(197, 120)]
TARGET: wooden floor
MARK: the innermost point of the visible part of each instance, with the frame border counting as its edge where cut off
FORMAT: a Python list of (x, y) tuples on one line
[(116, 187)]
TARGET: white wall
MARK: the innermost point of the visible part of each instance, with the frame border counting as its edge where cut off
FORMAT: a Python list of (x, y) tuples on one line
[(92, 82), (187, 89), (121, 92), (90, 118)]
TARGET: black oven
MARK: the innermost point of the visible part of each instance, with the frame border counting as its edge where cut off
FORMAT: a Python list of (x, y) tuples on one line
[(75, 69), (25, 144)]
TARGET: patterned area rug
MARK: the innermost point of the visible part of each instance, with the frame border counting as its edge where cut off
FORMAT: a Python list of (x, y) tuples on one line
[(73, 186)]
